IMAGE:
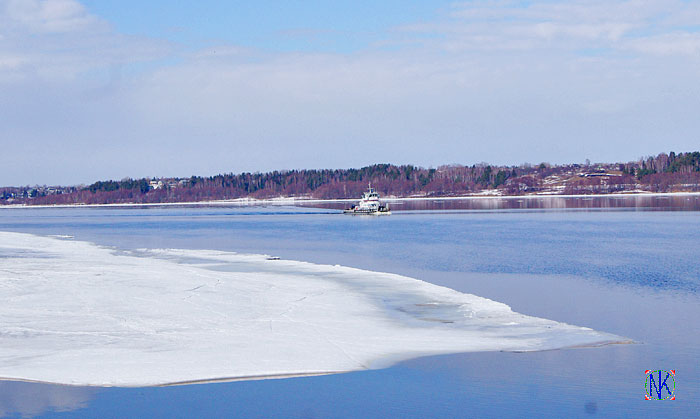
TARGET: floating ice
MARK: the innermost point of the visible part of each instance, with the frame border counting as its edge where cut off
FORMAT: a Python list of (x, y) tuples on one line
[(76, 313)]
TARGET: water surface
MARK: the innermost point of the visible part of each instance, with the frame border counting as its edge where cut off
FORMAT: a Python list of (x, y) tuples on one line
[(629, 272)]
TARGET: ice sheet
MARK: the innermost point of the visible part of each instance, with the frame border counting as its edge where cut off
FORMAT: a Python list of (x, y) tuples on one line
[(76, 313)]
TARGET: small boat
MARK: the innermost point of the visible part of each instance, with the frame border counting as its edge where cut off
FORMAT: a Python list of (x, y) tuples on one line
[(369, 204)]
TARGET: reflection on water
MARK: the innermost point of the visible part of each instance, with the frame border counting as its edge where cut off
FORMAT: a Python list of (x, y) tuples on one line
[(671, 202), (32, 399)]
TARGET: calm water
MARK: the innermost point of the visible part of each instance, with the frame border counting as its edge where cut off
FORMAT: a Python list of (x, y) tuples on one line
[(629, 272), (668, 202)]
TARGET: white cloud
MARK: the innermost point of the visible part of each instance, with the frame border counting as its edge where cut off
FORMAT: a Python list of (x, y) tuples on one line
[(568, 25), (563, 11), (48, 16), (10, 62), (677, 43), (609, 31), (494, 81), (60, 40)]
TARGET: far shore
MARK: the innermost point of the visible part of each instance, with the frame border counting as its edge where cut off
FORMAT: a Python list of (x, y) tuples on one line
[(293, 200)]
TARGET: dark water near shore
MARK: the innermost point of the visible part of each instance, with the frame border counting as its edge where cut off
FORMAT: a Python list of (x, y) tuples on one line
[(629, 272), (667, 202)]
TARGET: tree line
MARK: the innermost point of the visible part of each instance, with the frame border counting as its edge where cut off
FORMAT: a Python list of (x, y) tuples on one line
[(662, 173)]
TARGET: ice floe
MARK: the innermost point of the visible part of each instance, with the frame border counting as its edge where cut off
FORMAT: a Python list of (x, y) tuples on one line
[(73, 312)]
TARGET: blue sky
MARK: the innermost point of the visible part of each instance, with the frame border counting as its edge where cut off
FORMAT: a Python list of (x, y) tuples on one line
[(312, 25), (110, 89)]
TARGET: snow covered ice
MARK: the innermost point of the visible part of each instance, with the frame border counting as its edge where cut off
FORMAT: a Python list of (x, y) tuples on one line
[(76, 313)]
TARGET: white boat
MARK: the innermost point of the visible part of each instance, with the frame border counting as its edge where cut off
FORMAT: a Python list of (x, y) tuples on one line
[(369, 204)]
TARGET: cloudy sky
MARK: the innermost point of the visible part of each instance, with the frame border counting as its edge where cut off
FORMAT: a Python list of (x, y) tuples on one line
[(99, 89)]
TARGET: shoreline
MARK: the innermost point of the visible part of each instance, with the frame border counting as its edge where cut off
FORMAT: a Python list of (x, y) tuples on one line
[(182, 383), (282, 376), (293, 200)]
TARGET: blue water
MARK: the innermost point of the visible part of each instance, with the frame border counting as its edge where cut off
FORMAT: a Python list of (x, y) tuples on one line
[(635, 274)]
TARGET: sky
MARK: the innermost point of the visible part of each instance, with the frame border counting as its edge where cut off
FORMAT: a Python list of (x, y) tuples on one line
[(98, 89)]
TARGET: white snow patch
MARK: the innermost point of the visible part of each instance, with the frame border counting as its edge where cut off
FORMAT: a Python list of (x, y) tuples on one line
[(76, 313)]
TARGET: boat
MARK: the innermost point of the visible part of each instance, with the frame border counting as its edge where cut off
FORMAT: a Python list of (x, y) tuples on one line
[(369, 204)]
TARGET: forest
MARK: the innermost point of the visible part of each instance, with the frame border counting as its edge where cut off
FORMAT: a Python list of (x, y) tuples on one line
[(662, 173)]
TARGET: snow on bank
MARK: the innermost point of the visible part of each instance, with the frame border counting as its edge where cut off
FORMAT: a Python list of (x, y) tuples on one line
[(76, 313)]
